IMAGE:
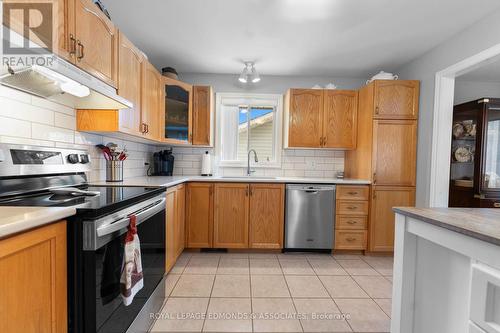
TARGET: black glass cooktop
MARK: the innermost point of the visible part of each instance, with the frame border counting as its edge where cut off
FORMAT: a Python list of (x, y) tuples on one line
[(109, 199)]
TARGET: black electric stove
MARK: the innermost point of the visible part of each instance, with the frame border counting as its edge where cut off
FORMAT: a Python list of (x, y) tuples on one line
[(109, 199), (95, 235)]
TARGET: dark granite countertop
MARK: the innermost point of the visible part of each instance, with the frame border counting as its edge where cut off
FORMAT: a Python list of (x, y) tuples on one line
[(480, 223)]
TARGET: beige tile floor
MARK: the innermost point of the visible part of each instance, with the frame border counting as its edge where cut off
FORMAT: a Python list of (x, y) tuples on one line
[(260, 292)]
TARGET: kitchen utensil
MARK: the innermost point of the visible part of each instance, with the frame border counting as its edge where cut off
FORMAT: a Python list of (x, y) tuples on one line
[(114, 171), (72, 191)]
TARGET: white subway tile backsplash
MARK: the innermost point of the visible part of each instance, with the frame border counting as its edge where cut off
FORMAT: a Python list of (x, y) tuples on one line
[(46, 104), (64, 121), (15, 127), (295, 163), (26, 141), (15, 109), (15, 94), (51, 133)]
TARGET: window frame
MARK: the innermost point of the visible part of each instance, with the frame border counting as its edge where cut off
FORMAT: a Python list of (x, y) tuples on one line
[(250, 99)]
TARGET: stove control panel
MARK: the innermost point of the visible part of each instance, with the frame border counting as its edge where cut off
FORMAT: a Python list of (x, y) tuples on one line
[(19, 160)]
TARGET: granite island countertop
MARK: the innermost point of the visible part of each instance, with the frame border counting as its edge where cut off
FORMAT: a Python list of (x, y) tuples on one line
[(17, 219), (169, 181), (480, 223)]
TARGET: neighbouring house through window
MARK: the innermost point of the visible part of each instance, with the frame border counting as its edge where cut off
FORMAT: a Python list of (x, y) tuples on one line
[(249, 121)]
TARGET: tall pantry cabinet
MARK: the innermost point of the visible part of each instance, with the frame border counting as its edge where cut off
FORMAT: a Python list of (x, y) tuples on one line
[(386, 153)]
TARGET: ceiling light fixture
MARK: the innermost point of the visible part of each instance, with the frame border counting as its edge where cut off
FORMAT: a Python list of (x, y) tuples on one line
[(249, 73)]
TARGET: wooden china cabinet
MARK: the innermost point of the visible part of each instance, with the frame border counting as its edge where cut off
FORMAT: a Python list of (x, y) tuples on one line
[(475, 154)]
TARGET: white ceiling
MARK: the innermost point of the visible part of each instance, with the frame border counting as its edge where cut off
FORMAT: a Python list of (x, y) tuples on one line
[(353, 38)]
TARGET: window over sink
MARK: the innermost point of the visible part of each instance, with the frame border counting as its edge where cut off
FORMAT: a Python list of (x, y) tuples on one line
[(248, 121)]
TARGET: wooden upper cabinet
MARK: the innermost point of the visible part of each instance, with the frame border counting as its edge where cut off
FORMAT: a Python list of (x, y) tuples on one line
[(199, 215), (305, 117), (231, 215), (96, 42), (396, 99), (152, 96), (177, 116), (130, 61), (202, 115), (340, 119), (267, 202), (382, 216), (394, 152), (34, 281)]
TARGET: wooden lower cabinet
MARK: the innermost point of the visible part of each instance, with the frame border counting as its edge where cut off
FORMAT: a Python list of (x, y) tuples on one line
[(180, 226), (384, 198), (33, 281), (235, 215), (199, 215), (175, 219), (267, 202), (231, 215), (351, 219)]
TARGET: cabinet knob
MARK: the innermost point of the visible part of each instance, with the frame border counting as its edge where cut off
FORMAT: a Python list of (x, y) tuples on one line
[(376, 110), (374, 178), (352, 207), (352, 193), (351, 222), (350, 239)]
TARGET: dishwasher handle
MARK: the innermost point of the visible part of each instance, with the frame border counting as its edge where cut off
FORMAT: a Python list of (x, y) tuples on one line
[(311, 188)]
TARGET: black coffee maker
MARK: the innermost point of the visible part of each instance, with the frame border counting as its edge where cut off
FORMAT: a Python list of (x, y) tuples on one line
[(163, 163)]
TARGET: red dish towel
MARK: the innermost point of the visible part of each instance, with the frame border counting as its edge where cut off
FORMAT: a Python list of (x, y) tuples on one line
[(131, 280)]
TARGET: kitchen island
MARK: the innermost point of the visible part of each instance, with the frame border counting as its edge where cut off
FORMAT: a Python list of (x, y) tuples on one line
[(446, 271)]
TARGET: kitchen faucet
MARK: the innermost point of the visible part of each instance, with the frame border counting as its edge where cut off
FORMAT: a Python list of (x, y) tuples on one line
[(249, 172)]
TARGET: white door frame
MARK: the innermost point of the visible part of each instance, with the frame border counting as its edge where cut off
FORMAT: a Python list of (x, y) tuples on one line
[(442, 122)]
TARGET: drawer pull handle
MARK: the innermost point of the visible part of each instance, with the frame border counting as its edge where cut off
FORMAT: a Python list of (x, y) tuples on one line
[(352, 193), (352, 207), (496, 204), (350, 239), (351, 222)]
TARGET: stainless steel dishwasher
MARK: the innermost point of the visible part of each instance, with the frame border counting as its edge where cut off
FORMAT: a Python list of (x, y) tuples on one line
[(309, 219)]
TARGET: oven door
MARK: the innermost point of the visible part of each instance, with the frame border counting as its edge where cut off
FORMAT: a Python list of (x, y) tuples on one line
[(97, 303)]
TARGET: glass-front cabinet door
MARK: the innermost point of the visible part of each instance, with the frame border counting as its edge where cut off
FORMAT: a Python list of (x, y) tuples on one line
[(178, 105), (491, 147)]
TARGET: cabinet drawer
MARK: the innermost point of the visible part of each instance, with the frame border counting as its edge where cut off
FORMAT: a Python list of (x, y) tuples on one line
[(353, 192), (345, 207), (350, 240), (351, 222)]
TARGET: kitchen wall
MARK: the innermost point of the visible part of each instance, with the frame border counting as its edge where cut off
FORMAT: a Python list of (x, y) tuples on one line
[(466, 91), (468, 42), (27, 119), (269, 84), (295, 163)]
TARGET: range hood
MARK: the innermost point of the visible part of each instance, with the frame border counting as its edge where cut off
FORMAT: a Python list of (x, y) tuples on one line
[(60, 81), (64, 83)]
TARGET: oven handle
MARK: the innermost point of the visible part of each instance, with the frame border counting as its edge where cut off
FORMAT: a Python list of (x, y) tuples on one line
[(142, 214)]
